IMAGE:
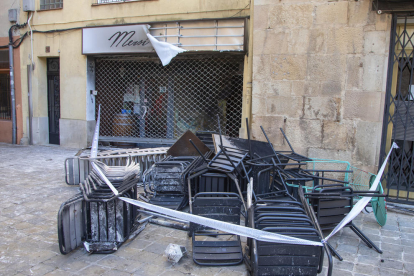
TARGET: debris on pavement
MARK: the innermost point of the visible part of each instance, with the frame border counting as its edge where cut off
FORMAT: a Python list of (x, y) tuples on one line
[(174, 252)]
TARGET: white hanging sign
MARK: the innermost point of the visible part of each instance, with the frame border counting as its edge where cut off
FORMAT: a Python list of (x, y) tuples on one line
[(116, 39)]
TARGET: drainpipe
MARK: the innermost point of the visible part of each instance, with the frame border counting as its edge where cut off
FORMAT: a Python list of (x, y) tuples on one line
[(13, 98)]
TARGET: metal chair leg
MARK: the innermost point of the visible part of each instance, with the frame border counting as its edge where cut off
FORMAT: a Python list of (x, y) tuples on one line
[(365, 238), (362, 237), (333, 251)]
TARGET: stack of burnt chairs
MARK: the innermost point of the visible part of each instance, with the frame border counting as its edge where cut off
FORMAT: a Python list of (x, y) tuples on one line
[(284, 216), (278, 209), (96, 217), (165, 182), (211, 247), (216, 191)]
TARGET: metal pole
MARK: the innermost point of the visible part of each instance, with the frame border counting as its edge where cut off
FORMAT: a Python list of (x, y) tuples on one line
[(170, 108), (30, 98), (13, 97)]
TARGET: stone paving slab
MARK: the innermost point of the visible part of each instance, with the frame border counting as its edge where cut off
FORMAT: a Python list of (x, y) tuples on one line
[(32, 188)]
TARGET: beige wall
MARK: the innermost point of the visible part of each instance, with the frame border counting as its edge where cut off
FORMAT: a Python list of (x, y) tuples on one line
[(5, 24), (319, 72), (67, 46)]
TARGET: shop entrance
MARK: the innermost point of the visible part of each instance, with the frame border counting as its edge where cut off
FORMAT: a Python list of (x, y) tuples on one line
[(143, 100), (398, 125), (53, 99)]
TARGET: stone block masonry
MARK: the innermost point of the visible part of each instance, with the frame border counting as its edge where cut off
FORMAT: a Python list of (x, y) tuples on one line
[(319, 73)]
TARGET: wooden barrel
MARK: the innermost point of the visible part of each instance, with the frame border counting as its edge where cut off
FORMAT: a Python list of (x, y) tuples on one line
[(124, 125)]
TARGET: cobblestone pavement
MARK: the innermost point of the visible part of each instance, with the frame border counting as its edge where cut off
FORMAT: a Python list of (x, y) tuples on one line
[(32, 188)]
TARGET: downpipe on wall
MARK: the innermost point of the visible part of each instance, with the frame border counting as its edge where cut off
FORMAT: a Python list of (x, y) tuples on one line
[(12, 92)]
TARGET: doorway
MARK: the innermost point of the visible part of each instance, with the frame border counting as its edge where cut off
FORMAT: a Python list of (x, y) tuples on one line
[(398, 124), (53, 99)]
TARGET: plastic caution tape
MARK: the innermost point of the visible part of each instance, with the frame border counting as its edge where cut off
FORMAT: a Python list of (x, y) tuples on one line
[(224, 226), (360, 205)]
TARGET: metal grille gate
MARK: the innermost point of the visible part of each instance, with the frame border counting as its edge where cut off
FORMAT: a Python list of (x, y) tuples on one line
[(398, 125), (5, 99), (142, 99)]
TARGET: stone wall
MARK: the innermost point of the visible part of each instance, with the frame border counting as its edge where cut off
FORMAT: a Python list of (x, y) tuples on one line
[(319, 72)]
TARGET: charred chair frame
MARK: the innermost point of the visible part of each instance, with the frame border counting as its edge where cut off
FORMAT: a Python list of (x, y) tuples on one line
[(220, 206), (331, 204)]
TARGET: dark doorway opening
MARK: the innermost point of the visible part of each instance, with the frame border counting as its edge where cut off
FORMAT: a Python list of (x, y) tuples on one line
[(398, 124), (53, 99)]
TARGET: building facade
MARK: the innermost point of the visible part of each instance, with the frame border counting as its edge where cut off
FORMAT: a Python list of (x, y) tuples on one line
[(336, 76), (6, 128), (140, 99)]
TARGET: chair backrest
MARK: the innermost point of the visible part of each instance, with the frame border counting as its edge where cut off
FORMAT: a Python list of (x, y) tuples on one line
[(169, 175), (221, 161), (219, 206), (331, 209), (213, 182), (207, 138)]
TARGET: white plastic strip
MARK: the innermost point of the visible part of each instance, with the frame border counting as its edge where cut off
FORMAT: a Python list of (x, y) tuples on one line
[(104, 178), (360, 205), (94, 150), (224, 226), (94, 154), (250, 193), (165, 51)]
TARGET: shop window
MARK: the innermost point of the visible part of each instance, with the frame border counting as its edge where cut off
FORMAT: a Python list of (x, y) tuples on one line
[(5, 100), (51, 4), (142, 99)]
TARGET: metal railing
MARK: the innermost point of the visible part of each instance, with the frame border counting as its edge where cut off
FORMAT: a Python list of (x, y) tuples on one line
[(97, 2), (179, 35)]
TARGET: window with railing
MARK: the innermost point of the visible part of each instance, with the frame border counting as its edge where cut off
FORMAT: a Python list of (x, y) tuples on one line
[(5, 100), (97, 2), (51, 4)]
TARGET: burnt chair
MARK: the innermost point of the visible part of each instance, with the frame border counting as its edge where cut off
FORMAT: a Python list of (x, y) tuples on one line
[(331, 203), (215, 251), (164, 182), (286, 218)]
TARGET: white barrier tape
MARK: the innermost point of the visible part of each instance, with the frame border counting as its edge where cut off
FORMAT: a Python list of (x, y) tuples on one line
[(94, 154), (94, 150), (250, 193), (224, 226), (104, 178), (360, 205)]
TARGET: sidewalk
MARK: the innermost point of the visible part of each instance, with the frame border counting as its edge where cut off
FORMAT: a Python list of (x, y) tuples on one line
[(32, 188)]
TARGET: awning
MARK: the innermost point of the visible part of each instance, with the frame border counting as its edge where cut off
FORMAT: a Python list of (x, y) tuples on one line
[(388, 6)]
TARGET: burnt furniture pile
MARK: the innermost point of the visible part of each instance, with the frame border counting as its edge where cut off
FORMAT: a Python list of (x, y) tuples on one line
[(212, 180), (218, 190), (96, 217), (281, 205)]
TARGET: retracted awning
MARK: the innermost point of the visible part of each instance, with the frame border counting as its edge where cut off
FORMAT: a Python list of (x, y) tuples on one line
[(389, 6)]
